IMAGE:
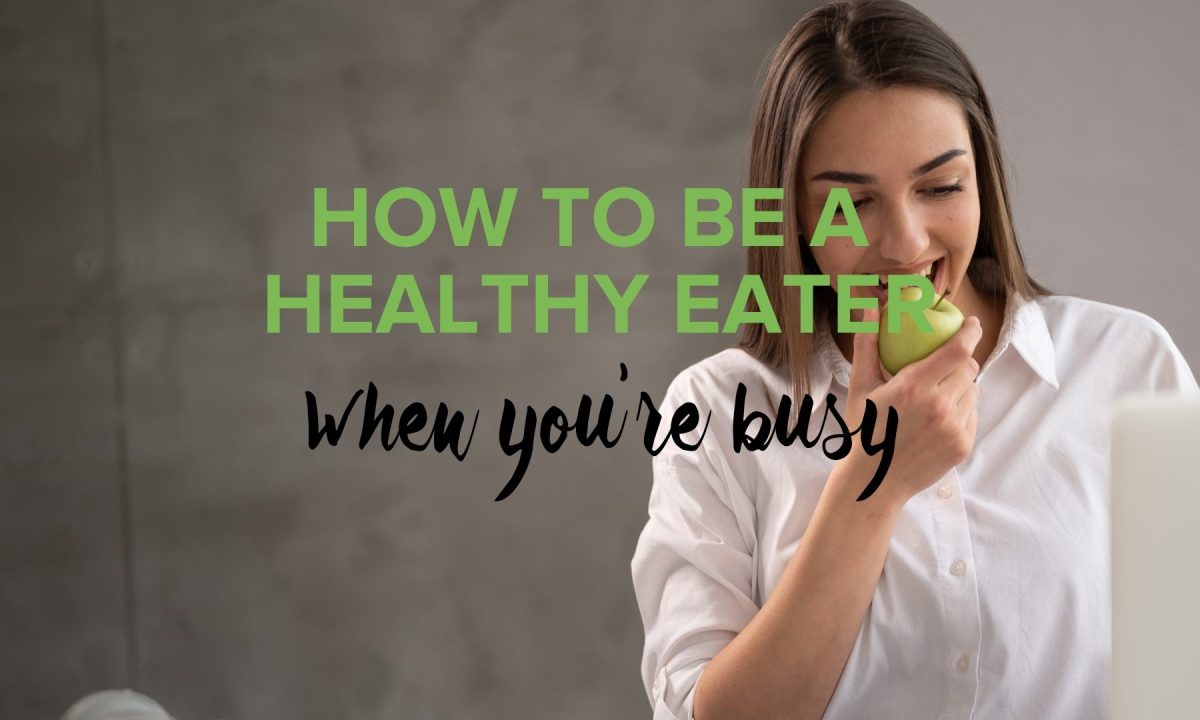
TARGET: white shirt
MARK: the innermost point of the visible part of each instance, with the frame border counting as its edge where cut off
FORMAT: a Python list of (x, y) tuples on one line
[(994, 601)]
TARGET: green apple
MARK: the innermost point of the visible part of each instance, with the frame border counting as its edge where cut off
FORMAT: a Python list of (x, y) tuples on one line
[(910, 344)]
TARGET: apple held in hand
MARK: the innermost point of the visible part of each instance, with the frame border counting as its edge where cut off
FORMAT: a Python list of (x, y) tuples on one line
[(910, 344)]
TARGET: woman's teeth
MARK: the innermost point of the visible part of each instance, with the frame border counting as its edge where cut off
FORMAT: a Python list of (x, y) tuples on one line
[(926, 272)]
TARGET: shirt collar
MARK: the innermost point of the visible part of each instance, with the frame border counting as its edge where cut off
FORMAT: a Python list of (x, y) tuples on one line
[(1024, 329)]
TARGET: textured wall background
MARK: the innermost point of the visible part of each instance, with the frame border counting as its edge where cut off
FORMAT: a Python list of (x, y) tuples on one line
[(163, 524), (158, 161)]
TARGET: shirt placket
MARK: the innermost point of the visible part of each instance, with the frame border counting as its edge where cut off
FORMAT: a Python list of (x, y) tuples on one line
[(959, 596)]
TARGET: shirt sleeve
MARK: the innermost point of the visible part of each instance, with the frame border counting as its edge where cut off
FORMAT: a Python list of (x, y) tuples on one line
[(693, 569)]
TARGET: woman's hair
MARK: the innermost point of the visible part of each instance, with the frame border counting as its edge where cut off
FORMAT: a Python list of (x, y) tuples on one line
[(832, 51)]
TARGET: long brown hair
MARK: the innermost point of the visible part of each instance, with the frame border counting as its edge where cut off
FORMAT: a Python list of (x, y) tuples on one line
[(835, 49)]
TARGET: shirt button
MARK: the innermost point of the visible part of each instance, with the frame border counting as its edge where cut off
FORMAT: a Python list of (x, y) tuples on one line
[(962, 663), (957, 568), (945, 491)]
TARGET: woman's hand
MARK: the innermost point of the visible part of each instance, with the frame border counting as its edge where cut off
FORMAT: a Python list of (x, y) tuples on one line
[(935, 400)]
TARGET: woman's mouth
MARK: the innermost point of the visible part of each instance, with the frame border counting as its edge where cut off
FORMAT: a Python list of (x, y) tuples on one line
[(935, 271)]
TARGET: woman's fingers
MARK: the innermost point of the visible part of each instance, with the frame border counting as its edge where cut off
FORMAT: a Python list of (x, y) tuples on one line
[(972, 420), (966, 394), (865, 371), (946, 359), (966, 372)]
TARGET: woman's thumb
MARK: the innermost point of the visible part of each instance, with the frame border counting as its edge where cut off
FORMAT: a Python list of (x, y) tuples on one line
[(865, 374)]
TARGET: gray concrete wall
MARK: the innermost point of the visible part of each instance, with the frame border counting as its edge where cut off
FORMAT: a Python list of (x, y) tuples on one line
[(158, 161), (162, 522)]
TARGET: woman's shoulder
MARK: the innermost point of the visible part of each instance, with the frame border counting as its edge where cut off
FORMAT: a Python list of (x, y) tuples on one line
[(717, 377), (1131, 348), (733, 362), (1069, 317)]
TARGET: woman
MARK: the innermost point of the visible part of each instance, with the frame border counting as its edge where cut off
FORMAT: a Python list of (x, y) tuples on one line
[(975, 581)]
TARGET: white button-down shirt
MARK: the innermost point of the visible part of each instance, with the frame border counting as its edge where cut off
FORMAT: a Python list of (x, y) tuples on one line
[(994, 601)]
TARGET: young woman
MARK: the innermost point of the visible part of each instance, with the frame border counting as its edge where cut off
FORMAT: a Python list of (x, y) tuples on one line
[(975, 581)]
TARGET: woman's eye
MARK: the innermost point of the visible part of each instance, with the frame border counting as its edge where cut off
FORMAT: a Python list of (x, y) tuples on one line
[(944, 191), (857, 204)]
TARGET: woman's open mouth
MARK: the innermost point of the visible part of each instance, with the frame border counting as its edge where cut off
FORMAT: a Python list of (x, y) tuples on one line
[(935, 271)]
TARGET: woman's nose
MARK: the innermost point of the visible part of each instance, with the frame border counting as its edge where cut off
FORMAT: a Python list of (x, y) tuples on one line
[(902, 239)]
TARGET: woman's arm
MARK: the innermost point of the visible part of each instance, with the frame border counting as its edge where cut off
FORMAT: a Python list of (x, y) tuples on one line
[(787, 660)]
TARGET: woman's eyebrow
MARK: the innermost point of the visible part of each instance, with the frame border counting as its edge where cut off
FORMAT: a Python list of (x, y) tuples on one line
[(844, 177), (939, 160), (854, 178)]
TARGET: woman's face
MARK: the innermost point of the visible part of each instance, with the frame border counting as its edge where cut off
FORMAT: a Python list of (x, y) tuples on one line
[(905, 156)]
